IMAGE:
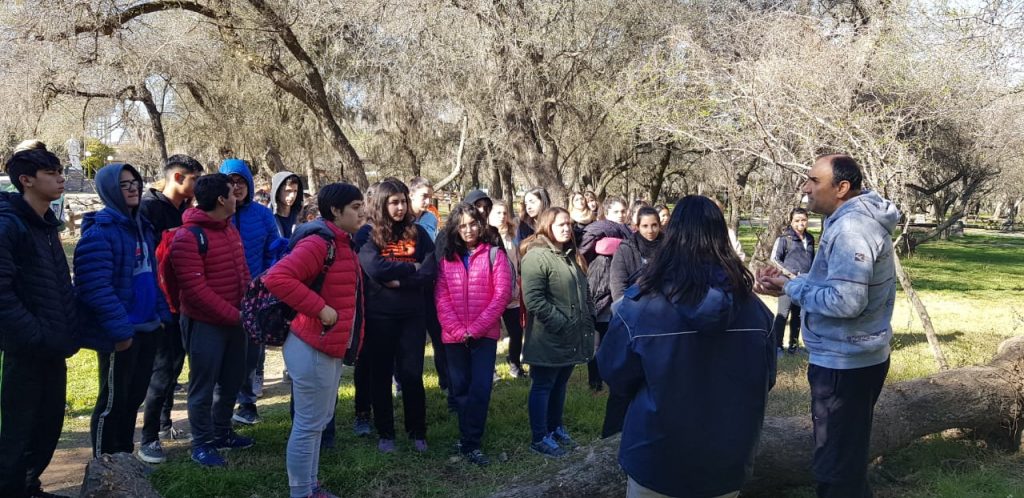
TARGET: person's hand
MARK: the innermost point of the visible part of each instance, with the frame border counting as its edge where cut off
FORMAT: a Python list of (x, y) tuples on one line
[(417, 266), (123, 345), (391, 284), (328, 316)]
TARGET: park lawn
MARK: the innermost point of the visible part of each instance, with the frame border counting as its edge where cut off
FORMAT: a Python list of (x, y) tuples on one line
[(974, 290)]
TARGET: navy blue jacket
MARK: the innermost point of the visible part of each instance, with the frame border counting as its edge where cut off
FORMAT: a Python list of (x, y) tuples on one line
[(115, 269), (37, 302), (255, 223), (793, 253), (397, 261), (698, 380)]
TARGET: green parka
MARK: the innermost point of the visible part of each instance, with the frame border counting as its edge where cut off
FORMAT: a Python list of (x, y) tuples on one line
[(560, 323)]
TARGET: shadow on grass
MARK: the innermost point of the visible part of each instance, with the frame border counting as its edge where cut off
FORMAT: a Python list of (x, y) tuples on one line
[(905, 340)]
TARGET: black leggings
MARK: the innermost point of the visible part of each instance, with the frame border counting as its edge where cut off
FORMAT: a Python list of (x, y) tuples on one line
[(515, 335)]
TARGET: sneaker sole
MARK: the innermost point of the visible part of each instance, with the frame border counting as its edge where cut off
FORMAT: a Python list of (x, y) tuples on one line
[(149, 459), (243, 420)]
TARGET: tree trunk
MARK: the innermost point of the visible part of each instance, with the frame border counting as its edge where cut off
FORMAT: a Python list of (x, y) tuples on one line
[(496, 191), (922, 313), (155, 119), (984, 398), (659, 174), (457, 163)]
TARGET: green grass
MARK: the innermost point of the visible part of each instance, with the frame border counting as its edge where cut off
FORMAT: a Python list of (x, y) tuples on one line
[(974, 290)]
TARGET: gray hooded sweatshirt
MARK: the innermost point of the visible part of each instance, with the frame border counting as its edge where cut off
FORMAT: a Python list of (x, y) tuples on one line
[(847, 297)]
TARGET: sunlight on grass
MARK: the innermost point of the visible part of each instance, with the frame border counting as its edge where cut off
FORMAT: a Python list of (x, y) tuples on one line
[(973, 288)]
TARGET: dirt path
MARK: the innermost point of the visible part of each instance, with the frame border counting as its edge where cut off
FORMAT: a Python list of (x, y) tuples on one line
[(67, 468)]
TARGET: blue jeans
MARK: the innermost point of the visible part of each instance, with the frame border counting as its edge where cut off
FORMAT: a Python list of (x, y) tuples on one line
[(547, 398), (470, 377)]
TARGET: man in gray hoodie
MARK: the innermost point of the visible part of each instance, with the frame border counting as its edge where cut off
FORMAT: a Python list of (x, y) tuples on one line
[(847, 300)]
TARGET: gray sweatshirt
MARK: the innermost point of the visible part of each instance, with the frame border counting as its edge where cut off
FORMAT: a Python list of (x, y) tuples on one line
[(847, 297)]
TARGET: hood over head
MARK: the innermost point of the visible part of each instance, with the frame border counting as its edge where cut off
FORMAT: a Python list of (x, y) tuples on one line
[(277, 182), (712, 314), (872, 205), (476, 195), (108, 186), (239, 167)]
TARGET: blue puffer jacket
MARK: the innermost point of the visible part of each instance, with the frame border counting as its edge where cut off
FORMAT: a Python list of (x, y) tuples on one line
[(255, 223), (115, 268), (697, 378)]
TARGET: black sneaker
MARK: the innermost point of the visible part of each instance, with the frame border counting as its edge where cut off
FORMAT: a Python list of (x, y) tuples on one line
[(246, 414), (234, 441), (477, 457)]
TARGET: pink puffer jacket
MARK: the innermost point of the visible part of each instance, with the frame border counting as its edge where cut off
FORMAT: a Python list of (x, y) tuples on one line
[(472, 301)]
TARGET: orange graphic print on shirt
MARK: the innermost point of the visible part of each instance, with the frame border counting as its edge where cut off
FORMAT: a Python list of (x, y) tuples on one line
[(403, 251)]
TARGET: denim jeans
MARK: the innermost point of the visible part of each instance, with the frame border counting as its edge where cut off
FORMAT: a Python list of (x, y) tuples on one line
[(547, 398), (315, 377), (471, 377)]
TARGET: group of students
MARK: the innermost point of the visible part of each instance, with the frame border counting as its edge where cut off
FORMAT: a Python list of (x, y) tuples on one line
[(683, 341)]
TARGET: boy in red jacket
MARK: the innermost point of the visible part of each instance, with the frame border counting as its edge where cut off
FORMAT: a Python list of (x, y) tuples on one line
[(328, 323), (211, 289)]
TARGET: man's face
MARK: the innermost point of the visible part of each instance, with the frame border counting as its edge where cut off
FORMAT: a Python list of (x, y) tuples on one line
[(230, 204), (288, 193), (822, 196), (419, 199), (351, 218), (239, 187), (130, 188), (186, 182), (49, 184)]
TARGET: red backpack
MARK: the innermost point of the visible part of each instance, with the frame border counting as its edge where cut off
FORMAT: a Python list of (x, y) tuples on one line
[(165, 272)]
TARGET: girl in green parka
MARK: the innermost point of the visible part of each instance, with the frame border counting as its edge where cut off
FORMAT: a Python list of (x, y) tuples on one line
[(559, 327)]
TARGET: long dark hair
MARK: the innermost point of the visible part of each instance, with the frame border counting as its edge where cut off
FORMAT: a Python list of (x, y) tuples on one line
[(695, 255), (545, 220), (385, 229), (455, 247), (545, 201)]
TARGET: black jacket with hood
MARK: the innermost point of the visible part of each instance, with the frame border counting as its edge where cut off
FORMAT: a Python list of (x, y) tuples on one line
[(160, 211), (285, 224)]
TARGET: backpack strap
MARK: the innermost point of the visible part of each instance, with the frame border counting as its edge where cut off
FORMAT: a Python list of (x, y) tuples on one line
[(332, 250), (200, 238)]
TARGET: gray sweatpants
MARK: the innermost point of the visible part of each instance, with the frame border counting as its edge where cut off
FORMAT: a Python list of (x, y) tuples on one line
[(315, 377), (216, 367)]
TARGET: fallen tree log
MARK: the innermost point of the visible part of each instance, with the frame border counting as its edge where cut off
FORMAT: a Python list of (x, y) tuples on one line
[(985, 399)]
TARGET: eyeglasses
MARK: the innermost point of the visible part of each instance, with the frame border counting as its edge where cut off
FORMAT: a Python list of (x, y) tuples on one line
[(131, 185), (470, 227), (238, 182)]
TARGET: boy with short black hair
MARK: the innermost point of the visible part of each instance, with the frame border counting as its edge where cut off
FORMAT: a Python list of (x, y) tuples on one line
[(211, 285), (37, 321), (164, 208)]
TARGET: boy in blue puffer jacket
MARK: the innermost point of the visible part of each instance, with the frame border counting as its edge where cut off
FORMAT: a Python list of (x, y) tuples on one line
[(116, 281), (263, 245)]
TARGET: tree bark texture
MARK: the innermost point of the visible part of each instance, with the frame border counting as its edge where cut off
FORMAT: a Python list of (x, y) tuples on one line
[(987, 399), (922, 313)]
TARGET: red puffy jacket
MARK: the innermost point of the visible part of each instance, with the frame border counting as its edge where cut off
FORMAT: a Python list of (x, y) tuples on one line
[(291, 277), (211, 285)]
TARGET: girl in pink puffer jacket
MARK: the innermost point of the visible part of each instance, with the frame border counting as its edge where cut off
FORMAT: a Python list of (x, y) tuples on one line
[(474, 284)]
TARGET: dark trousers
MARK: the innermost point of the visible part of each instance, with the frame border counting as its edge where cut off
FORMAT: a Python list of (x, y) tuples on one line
[(471, 372), (32, 396), (593, 375), (842, 408), (779, 327), (395, 346), (167, 365), (547, 398), (253, 353), (515, 336), (434, 332), (216, 358), (361, 381), (124, 380)]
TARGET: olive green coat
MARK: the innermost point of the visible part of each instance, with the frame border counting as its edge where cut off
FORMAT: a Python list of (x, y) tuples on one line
[(560, 320)]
